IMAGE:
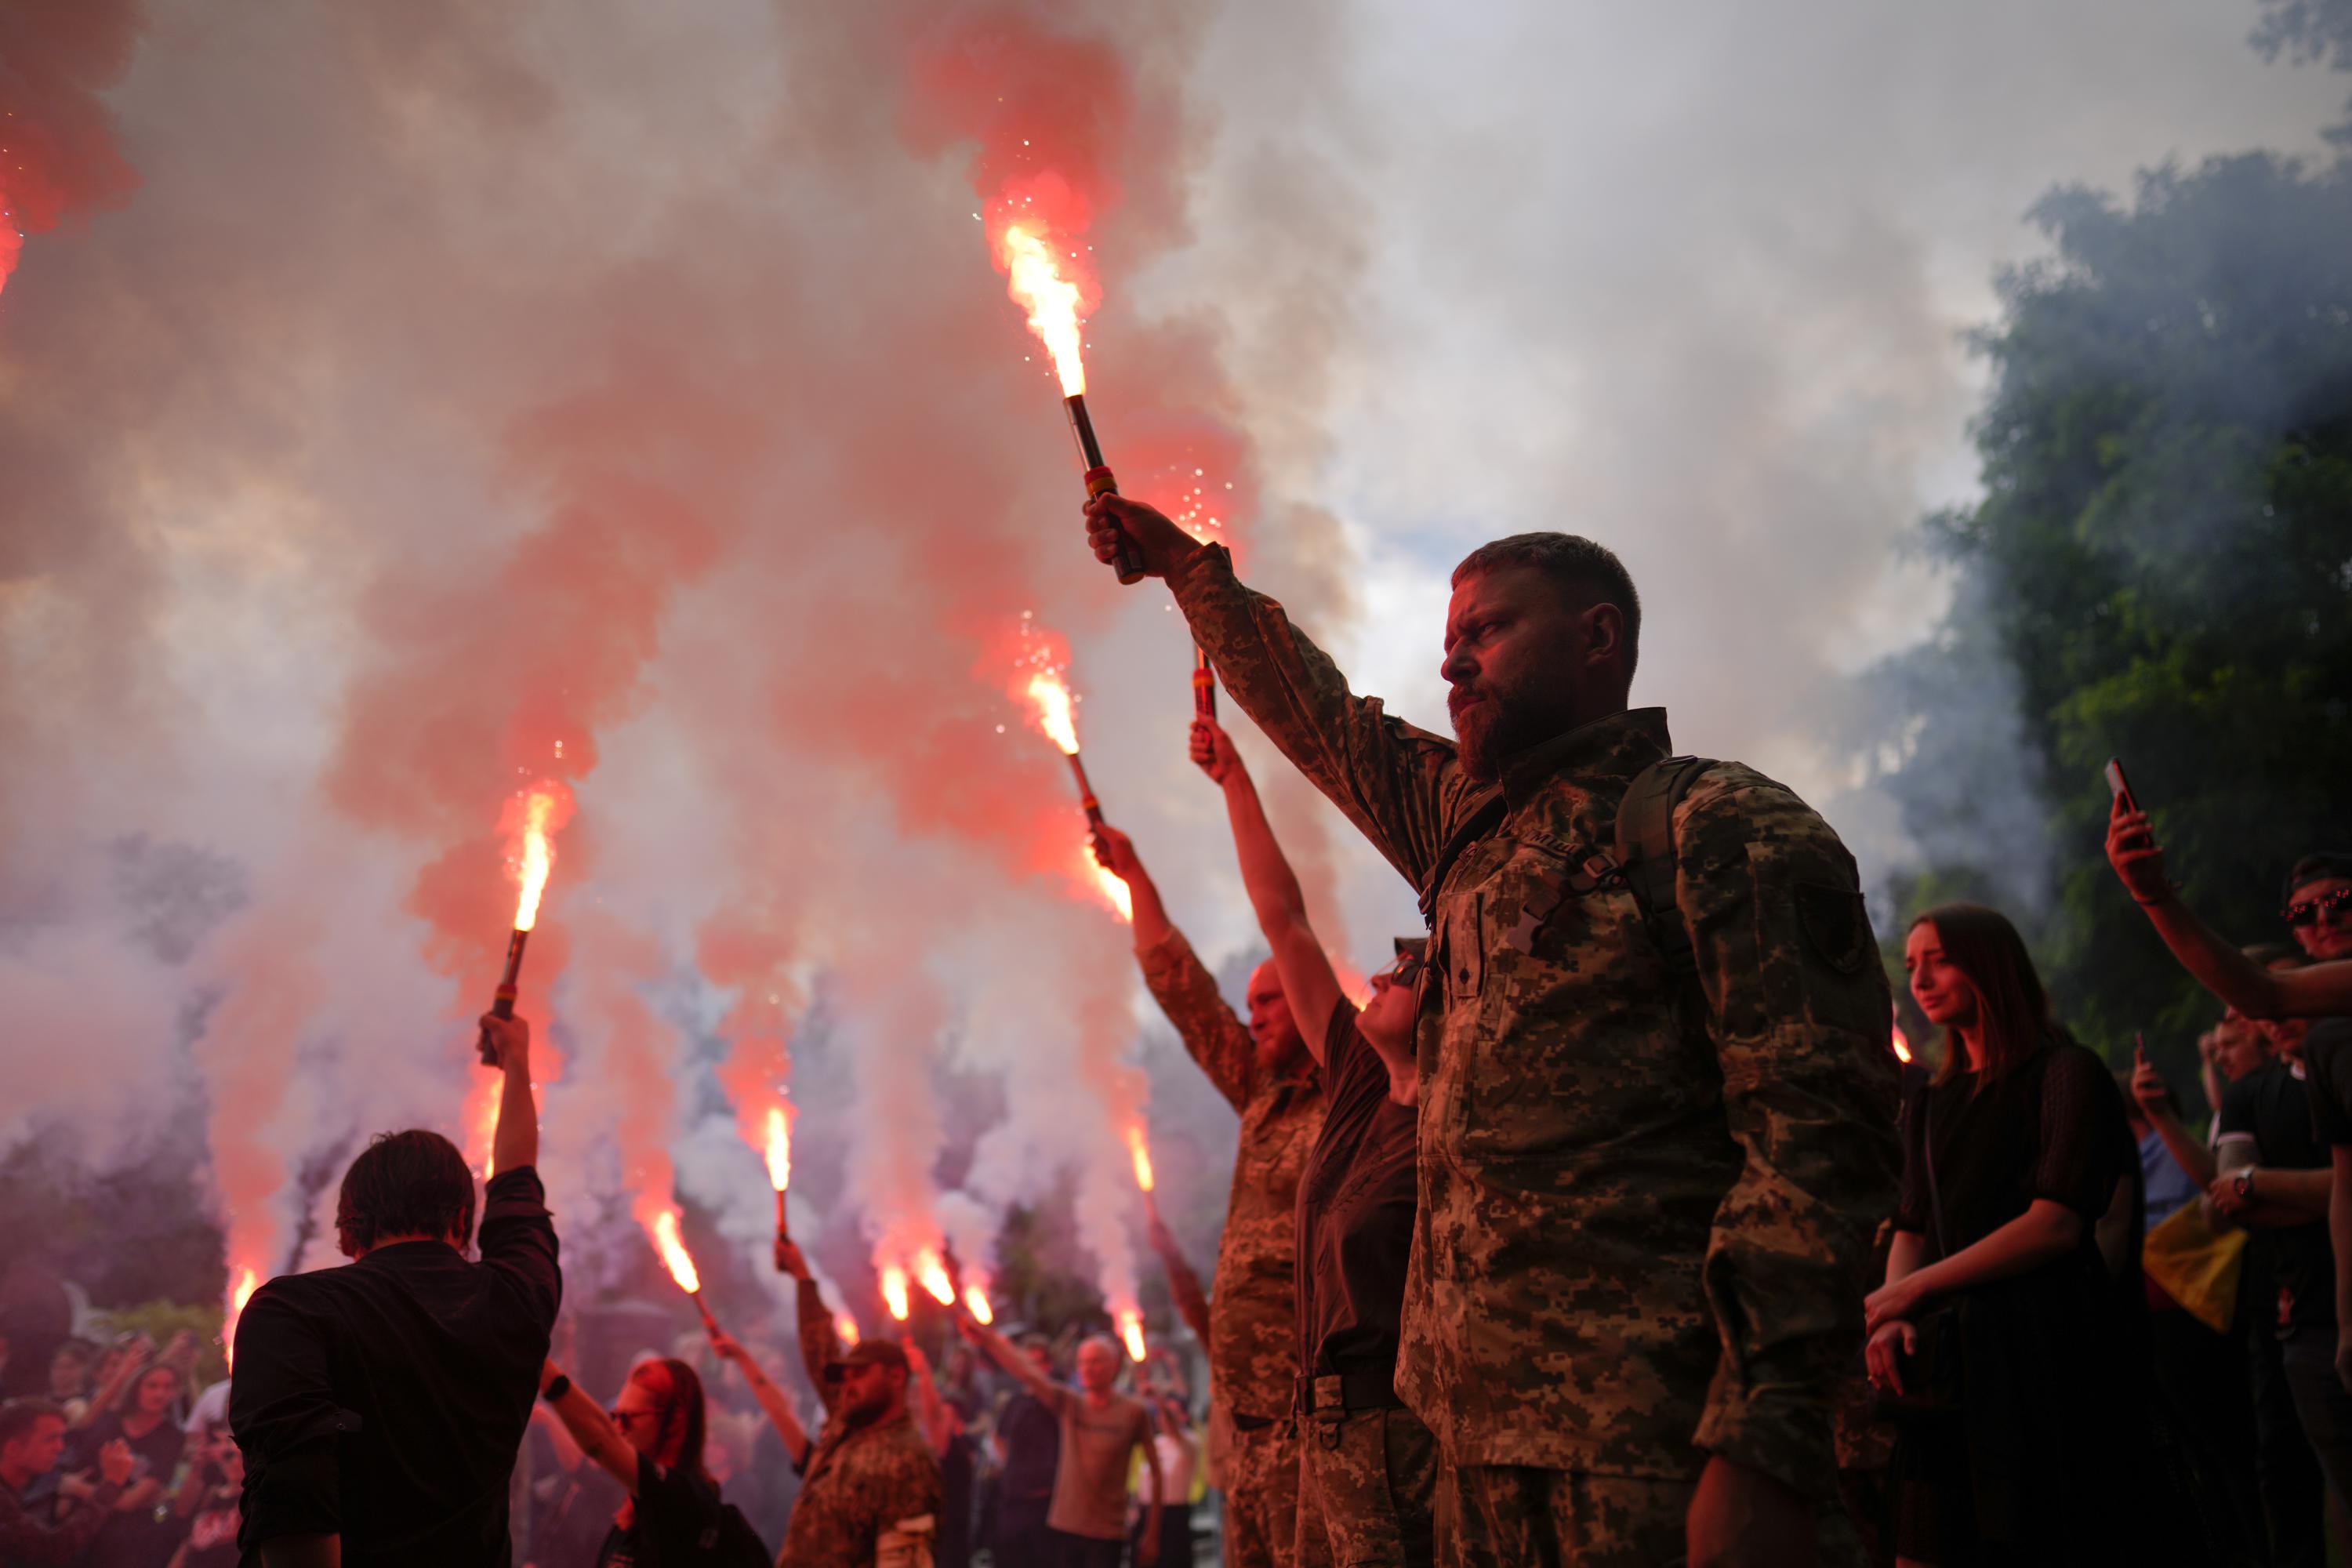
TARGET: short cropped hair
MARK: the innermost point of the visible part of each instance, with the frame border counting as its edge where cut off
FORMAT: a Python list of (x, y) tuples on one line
[(1583, 572), (19, 1417), (405, 1183)]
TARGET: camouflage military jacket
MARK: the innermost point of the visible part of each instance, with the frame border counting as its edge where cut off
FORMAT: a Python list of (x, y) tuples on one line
[(1643, 1225), (859, 1481), (1253, 1296)]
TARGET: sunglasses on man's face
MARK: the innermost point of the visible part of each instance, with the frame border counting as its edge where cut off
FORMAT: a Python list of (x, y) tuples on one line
[(1407, 969), (2306, 911), (622, 1419)]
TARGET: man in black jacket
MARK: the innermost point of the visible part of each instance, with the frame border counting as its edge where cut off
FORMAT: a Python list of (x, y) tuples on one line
[(380, 1404)]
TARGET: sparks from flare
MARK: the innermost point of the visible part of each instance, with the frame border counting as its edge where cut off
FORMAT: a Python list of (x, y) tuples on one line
[(1046, 290), (975, 1302), (1141, 1154), (894, 1291), (674, 1255), (1131, 1328)]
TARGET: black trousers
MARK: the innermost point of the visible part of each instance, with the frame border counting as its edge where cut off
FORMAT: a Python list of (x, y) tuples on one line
[(2294, 1492), (2202, 1378)]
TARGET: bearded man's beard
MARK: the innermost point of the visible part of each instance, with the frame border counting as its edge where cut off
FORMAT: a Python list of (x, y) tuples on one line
[(1495, 728)]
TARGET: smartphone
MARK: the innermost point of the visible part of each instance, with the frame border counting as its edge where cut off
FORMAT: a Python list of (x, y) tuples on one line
[(2118, 787)]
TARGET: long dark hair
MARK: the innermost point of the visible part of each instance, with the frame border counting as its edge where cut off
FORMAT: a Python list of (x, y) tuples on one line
[(2013, 1010), (679, 1393)]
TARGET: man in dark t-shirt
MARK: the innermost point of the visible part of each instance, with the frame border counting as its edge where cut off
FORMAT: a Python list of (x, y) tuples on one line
[(2273, 1179), (380, 1404), (1029, 1448), (1369, 1473)]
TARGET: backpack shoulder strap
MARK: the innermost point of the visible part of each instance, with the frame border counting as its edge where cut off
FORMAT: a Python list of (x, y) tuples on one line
[(1484, 814), (1646, 853)]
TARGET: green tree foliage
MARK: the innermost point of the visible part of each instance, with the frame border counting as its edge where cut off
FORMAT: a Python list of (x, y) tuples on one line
[(2161, 569)]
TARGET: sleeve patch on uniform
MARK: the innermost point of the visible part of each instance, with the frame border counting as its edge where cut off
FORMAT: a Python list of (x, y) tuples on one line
[(1835, 926)]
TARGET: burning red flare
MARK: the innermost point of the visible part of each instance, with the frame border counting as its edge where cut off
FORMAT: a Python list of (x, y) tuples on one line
[(1056, 712), (1131, 1328), (531, 821), (933, 1275), (779, 1149), (1046, 285), (1902, 1042), (975, 1302), (1104, 880), (1141, 1154), (247, 1282), (847, 1327), (894, 1291), (673, 1252)]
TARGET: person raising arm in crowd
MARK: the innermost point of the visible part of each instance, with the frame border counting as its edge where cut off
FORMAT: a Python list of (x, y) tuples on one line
[(1657, 1093), (652, 1443), (1102, 1431), (380, 1404), (2318, 909), (1367, 1488), (870, 1477), (1267, 1073)]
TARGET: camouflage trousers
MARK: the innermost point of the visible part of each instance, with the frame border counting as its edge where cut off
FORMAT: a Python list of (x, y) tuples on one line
[(1510, 1516), (1262, 1500), (1365, 1484)]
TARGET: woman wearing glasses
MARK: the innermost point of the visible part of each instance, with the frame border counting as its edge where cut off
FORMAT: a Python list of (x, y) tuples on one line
[(651, 1441), (1370, 1468)]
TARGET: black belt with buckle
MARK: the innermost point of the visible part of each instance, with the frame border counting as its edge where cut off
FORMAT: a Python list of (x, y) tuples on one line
[(1337, 1396)]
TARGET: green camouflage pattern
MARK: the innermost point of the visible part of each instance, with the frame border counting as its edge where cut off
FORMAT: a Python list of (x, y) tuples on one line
[(1253, 1294), (1501, 1516), (861, 1482), (1644, 1219), (1367, 1484), (1262, 1500)]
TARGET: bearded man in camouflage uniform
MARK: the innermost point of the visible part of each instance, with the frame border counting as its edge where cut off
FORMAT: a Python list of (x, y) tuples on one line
[(1656, 1124), (1265, 1071), (869, 1484)]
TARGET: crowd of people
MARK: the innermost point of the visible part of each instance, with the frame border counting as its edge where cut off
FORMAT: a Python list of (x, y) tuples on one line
[(1607, 1229)]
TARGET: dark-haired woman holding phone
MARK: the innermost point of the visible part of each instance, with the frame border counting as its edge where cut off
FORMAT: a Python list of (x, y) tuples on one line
[(2005, 1334)]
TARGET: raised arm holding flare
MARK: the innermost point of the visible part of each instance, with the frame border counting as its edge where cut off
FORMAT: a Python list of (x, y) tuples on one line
[(870, 1482), (781, 1414), (1265, 1071), (1656, 1118)]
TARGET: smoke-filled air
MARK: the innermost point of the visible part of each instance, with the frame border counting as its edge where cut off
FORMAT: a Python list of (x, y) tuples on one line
[(574, 505)]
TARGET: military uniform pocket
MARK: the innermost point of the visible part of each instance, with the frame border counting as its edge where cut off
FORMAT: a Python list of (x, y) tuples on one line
[(1463, 948)]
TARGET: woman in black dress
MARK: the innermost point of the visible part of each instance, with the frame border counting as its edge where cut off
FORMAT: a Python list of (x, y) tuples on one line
[(2016, 1339)]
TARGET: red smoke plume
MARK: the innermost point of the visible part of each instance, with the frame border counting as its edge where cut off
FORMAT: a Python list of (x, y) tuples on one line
[(58, 151)]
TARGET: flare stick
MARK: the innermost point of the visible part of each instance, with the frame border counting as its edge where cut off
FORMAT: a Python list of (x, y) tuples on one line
[(1086, 794), (1129, 562), (502, 1006), (1204, 686)]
